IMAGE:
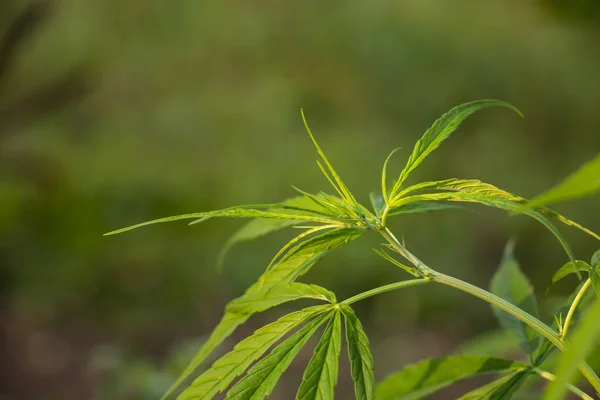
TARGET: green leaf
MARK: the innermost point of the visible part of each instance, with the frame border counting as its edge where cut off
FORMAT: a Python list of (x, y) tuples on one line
[(411, 270), (259, 381), (419, 207), (384, 175), (512, 285), (583, 182), (570, 268), (486, 391), (581, 343), (321, 374), (227, 368), (255, 211), (475, 191), (595, 263), (257, 302), (377, 202), (418, 380), (335, 179), (595, 275), (441, 130), (297, 262), (361, 359)]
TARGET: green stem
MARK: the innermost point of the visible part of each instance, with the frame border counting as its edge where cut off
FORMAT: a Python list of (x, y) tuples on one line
[(574, 305), (541, 328), (551, 378), (383, 289)]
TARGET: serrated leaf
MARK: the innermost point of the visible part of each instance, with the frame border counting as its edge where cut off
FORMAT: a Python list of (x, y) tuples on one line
[(220, 375), (321, 374), (570, 268), (279, 294), (420, 207), (335, 179), (475, 191), (583, 182), (296, 263), (359, 353), (441, 129), (581, 343), (255, 211), (259, 381), (512, 285), (501, 389), (418, 380), (484, 392)]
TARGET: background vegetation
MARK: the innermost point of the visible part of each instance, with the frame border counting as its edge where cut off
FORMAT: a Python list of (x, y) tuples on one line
[(116, 112)]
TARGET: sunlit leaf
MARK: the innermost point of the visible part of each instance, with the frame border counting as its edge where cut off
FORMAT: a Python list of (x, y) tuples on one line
[(512, 285), (297, 262), (441, 130), (260, 211), (581, 343), (321, 374), (335, 179), (259, 381), (361, 359), (486, 391), (570, 268), (420, 207), (278, 295), (418, 380), (220, 375), (583, 182)]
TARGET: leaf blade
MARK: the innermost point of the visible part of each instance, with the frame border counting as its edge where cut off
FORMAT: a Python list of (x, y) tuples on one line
[(359, 353)]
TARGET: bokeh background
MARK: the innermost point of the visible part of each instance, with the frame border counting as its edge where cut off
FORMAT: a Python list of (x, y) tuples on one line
[(113, 112)]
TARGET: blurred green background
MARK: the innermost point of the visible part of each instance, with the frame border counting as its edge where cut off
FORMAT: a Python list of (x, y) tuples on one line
[(114, 112)]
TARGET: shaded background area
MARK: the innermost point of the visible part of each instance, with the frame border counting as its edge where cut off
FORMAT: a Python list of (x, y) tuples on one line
[(115, 112)]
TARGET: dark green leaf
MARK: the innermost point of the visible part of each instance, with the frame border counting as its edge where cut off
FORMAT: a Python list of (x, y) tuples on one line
[(484, 392), (321, 374), (361, 359), (418, 380), (513, 286), (259, 381), (570, 268), (501, 389), (441, 130), (220, 375), (583, 182)]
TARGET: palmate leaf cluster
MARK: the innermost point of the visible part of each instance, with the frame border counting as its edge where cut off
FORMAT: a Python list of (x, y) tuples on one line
[(253, 367)]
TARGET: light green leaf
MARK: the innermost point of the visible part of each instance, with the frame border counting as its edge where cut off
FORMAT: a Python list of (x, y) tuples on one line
[(570, 268), (301, 259), (595, 263), (377, 202), (441, 130), (583, 182), (361, 359), (419, 207), (411, 270), (595, 275), (255, 211), (384, 175), (334, 179), (259, 381), (512, 285), (321, 374), (581, 343), (418, 380), (257, 302), (227, 368)]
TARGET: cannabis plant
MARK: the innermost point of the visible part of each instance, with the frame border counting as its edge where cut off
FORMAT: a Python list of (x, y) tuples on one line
[(329, 221)]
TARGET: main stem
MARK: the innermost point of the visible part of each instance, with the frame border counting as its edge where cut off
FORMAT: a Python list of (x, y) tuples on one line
[(540, 327)]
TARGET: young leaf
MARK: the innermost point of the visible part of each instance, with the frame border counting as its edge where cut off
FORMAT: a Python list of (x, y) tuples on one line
[(335, 179), (236, 212), (441, 130), (301, 259), (384, 192), (583, 182), (255, 303), (419, 207), (361, 359), (570, 268), (259, 381), (418, 380), (512, 285), (321, 374), (377, 202), (227, 368), (582, 342)]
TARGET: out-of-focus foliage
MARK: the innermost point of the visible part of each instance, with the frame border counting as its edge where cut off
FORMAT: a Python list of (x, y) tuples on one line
[(115, 112)]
